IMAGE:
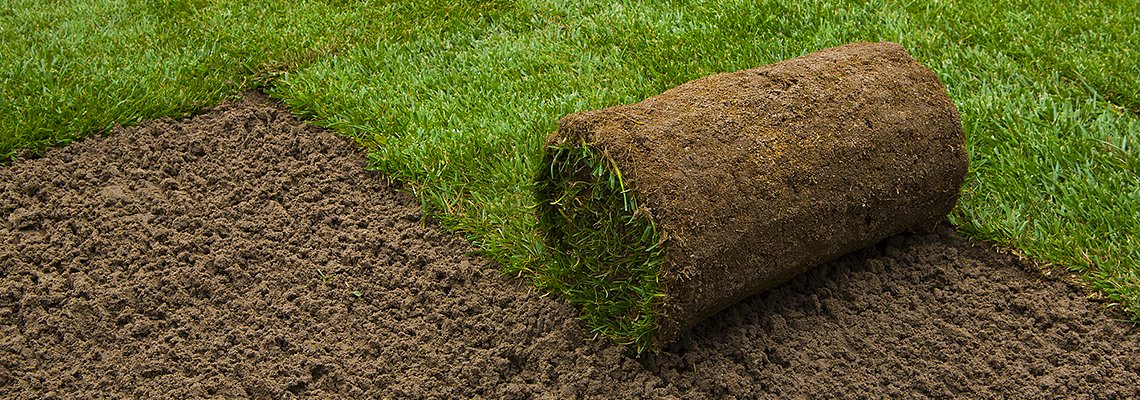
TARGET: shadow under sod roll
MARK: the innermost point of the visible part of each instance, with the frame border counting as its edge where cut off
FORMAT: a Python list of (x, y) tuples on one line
[(666, 211)]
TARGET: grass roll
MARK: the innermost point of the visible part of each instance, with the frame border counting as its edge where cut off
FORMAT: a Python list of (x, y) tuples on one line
[(663, 212)]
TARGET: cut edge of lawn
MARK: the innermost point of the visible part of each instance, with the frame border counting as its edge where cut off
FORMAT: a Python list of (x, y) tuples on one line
[(1121, 310), (18, 154), (1057, 271)]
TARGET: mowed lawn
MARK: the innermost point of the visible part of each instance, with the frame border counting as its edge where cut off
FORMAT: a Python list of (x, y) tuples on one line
[(455, 97)]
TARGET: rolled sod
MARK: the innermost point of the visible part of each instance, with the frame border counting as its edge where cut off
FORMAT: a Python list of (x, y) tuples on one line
[(666, 211)]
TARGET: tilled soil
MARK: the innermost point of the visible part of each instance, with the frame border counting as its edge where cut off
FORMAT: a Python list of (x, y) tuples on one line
[(242, 253)]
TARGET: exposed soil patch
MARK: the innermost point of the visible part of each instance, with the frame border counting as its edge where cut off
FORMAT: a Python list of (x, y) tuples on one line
[(243, 253)]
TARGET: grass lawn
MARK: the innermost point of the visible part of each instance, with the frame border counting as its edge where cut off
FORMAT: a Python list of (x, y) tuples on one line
[(454, 98)]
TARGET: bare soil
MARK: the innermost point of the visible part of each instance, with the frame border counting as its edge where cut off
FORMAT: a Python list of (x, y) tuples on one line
[(242, 253)]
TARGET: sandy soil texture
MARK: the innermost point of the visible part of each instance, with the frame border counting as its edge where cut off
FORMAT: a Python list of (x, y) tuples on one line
[(242, 253)]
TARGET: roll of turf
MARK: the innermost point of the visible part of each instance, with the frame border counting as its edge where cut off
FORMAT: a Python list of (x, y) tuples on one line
[(663, 212)]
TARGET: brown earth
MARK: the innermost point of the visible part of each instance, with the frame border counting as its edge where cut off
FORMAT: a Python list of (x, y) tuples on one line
[(242, 253), (755, 176)]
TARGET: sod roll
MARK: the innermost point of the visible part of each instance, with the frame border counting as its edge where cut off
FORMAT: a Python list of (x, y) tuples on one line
[(666, 211)]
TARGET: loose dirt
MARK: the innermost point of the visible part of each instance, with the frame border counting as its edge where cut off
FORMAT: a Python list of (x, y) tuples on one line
[(242, 253)]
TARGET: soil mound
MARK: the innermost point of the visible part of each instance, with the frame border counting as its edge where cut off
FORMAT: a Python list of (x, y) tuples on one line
[(242, 253)]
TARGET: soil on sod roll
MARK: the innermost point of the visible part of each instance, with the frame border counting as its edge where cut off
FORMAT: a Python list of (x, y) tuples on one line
[(241, 253), (671, 209)]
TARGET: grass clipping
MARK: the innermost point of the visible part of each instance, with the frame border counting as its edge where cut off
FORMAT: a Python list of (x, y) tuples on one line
[(589, 210), (661, 213)]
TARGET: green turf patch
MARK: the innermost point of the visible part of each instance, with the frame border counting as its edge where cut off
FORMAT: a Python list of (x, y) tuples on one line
[(586, 208), (75, 69)]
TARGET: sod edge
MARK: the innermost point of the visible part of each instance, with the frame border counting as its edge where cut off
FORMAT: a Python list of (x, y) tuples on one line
[(607, 255)]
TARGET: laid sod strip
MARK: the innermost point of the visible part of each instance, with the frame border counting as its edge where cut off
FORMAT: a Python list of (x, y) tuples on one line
[(614, 274), (666, 211)]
